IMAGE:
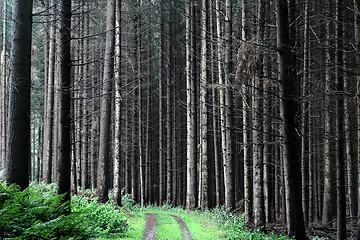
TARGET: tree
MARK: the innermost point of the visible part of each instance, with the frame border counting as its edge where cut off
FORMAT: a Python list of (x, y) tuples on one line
[(117, 80), (64, 85), (105, 115), (3, 89), (190, 108), (340, 136), (49, 103), (289, 107), (18, 125)]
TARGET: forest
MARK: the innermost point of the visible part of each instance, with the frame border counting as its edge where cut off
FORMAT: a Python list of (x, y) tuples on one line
[(248, 105)]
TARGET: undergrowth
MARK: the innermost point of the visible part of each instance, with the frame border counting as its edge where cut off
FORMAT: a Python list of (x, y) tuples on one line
[(235, 226), (37, 212)]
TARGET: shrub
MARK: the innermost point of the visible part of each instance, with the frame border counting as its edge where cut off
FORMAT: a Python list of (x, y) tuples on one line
[(38, 211)]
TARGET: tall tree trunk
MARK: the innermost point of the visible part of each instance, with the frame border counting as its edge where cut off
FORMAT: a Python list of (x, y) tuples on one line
[(49, 103), (167, 46), (289, 108), (258, 165), (118, 102), (161, 105), (229, 175), (191, 176), (64, 84), (304, 113), (18, 125), (3, 110), (357, 42), (328, 211), (340, 157), (105, 114), (203, 201)]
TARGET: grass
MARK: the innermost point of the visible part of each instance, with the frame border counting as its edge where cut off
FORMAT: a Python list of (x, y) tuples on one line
[(202, 225)]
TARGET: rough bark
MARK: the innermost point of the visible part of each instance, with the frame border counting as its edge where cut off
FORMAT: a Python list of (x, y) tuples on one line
[(291, 142), (190, 108), (105, 114), (3, 88), (204, 184), (340, 136), (64, 86), (118, 103), (18, 122), (49, 103)]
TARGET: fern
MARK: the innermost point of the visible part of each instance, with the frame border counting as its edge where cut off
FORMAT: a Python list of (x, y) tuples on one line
[(38, 211)]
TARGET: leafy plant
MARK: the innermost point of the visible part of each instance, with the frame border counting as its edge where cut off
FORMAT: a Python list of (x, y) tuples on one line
[(38, 211)]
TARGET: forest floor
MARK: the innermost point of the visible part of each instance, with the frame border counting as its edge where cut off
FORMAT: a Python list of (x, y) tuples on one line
[(158, 223)]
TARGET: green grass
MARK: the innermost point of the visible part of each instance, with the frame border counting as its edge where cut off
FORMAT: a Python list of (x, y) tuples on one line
[(202, 225)]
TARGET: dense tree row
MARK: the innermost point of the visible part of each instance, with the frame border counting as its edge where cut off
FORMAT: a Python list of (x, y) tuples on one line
[(251, 105)]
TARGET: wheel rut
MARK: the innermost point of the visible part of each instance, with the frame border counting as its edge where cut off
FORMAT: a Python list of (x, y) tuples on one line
[(151, 222), (150, 231), (184, 228)]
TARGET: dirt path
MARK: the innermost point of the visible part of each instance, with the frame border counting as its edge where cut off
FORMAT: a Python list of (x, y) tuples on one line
[(184, 228), (150, 232)]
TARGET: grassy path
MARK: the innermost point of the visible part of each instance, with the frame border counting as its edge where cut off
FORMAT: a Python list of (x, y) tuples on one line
[(159, 224)]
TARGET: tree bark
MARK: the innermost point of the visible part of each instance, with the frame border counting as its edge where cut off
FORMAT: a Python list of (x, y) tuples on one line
[(3, 110), (190, 109), (105, 114), (49, 103), (64, 85), (291, 141), (340, 157), (118, 103), (18, 122), (204, 184)]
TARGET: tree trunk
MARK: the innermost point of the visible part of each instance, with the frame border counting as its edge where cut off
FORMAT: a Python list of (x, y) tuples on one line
[(105, 114), (3, 110), (340, 157), (161, 105), (64, 84), (49, 103), (203, 201), (304, 121), (118, 102), (190, 108), (289, 108), (18, 125), (328, 201), (357, 42), (229, 176), (169, 167)]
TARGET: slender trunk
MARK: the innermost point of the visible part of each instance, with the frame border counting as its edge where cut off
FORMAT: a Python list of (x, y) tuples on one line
[(340, 158), (203, 201), (161, 79), (118, 102), (3, 87), (190, 108), (289, 108), (49, 120), (64, 154), (304, 121), (357, 42), (105, 114), (169, 166), (328, 201)]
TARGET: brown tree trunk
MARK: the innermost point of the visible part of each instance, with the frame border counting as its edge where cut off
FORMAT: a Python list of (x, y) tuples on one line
[(190, 108), (105, 114), (291, 141), (64, 154), (18, 122)]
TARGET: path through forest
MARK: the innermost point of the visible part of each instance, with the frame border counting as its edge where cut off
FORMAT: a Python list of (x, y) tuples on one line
[(151, 223)]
